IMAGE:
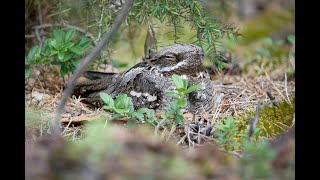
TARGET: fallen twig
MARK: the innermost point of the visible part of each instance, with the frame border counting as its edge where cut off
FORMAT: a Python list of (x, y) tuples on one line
[(254, 120)]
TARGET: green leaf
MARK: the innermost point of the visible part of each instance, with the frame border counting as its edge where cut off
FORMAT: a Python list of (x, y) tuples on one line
[(121, 111), (120, 101), (150, 113), (182, 102), (107, 107), (53, 43), (32, 52), (69, 35), (142, 110), (64, 70), (68, 56), (139, 115), (27, 72), (76, 62), (177, 80), (128, 102), (67, 45), (84, 42), (106, 98), (291, 38), (58, 35), (76, 49), (53, 52), (179, 119), (229, 121), (61, 56), (194, 88), (185, 84)]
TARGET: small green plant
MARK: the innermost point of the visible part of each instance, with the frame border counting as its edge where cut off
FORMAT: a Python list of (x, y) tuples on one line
[(180, 100), (228, 134), (63, 49), (123, 107)]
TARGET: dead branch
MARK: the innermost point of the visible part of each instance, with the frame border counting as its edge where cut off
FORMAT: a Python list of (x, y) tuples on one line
[(254, 120), (105, 40)]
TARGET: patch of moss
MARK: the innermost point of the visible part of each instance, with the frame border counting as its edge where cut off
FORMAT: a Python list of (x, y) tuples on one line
[(273, 120)]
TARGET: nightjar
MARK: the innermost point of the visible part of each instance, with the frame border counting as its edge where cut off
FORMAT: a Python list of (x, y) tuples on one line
[(148, 81)]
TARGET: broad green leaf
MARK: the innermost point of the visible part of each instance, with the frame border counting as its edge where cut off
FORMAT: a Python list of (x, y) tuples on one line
[(27, 72), (194, 88), (120, 101), (127, 102), (68, 56), (142, 110), (53, 43), (32, 53), (106, 98), (121, 111), (76, 49), (107, 107), (291, 38), (64, 70), (150, 113), (185, 83), (76, 62), (84, 42), (69, 35), (53, 52), (177, 80), (139, 115), (58, 35), (26, 61), (182, 102), (67, 45), (61, 56)]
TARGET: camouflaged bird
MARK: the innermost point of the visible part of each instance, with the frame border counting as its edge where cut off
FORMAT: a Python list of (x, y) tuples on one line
[(148, 81)]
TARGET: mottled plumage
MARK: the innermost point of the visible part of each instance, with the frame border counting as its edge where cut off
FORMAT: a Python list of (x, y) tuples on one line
[(147, 82)]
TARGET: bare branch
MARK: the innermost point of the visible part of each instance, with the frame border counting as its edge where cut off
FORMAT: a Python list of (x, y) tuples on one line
[(254, 120), (105, 40)]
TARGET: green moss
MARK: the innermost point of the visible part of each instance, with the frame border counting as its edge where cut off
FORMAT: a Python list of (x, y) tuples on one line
[(272, 120)]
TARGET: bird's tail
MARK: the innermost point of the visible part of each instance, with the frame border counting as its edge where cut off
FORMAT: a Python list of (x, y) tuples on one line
[(93, 82)]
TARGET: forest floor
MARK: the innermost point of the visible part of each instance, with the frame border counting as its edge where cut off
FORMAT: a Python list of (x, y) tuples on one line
[(241, 92), (92, 147)]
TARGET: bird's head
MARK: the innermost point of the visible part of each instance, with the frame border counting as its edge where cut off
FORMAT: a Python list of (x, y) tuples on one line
[(182, 57)]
